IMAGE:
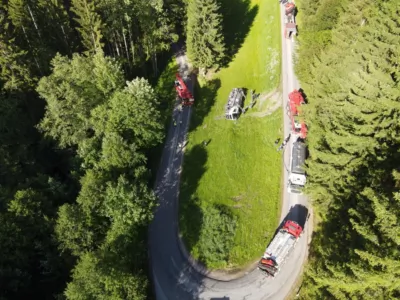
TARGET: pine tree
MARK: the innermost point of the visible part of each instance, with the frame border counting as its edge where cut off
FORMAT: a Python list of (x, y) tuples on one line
[(205, 42), (56, 27), (353, 92), (40, 29), (14, 71), (136, 31), (26, 33), (90, 24)]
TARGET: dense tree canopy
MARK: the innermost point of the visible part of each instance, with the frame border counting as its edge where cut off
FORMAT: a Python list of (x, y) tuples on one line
[(111, 127), (75, 132), (31, 190), (205, 42), (72, 91), (353, 89)]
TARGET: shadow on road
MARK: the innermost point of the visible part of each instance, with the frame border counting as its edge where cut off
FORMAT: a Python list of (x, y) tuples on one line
[(166, 99), (204, 100), (238, 18)]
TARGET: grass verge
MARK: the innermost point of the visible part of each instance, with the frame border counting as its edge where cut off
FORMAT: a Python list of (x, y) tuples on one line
[(230, 189)]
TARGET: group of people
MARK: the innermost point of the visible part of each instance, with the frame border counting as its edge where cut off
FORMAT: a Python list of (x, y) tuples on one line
[(180, 108), (284, 142), (180, 122)]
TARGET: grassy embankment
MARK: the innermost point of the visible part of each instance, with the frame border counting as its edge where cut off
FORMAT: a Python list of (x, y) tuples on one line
[(230, 189)]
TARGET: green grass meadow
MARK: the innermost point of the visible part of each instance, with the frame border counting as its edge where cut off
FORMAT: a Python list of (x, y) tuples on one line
[(239, 170)]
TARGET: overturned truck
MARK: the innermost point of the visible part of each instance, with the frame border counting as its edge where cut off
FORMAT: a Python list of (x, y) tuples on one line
[(234, 107)]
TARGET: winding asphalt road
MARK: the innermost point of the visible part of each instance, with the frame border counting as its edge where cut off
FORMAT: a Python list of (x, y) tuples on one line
[(174, 276)]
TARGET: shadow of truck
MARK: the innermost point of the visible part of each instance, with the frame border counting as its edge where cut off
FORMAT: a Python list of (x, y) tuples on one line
[(297, 213)]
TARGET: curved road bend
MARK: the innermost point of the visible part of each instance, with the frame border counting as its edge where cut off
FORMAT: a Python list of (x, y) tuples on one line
[(173, 276)]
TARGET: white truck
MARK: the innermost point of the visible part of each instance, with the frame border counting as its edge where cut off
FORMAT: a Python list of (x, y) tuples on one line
[(279, 249), (297, 175)]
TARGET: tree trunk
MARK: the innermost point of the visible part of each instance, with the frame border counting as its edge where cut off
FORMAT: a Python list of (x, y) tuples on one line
[(126, 47), (30, 47), (65, 39), (155, 66), (116, 44), (34, 21), (132, 46)]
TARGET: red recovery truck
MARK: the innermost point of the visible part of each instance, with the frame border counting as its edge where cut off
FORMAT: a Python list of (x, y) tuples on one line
[(290, 22), (183, 93), (299, 128), (279, 249)]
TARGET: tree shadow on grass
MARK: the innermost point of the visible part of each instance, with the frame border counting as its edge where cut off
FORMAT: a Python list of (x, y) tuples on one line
[(211, 229), (205, 102), (238, 16), (190, 213)]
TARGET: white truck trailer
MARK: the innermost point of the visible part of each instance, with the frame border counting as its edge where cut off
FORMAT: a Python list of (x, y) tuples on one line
[(297, 175)]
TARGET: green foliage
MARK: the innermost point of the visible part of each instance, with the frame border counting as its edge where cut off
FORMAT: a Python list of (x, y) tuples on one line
[(127, 204), (41, 28), (96, 131), (30, 264), (90, 24), (217, 234), (75, 87), (136, 31), (316, 19), (74, 230), (29, 261), (56, 26), (133, 114), (102, 276), (111, 127), (205, 42), (14, 68), (353, 92)]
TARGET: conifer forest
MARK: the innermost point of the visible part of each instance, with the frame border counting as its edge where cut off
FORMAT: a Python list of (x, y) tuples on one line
[(82, 121), (349, 65)]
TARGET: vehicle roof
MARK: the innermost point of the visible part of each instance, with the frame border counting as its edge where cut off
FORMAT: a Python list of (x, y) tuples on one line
[(298, 157)]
